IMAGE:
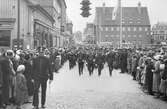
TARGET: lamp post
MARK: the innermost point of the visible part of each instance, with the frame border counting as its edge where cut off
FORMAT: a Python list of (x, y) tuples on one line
[(120, 23), (18, 24)]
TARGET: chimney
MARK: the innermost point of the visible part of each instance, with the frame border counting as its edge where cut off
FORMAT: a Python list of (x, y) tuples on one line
[(139, 7)]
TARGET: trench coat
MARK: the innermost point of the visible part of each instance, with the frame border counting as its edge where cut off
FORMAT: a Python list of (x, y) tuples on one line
[(156, 77), (21, 89)]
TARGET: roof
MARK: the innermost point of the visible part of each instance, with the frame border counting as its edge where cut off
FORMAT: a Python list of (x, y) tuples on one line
[(130, 16)]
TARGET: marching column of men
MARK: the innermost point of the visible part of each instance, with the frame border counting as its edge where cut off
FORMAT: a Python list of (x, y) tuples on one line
[(95, 58)]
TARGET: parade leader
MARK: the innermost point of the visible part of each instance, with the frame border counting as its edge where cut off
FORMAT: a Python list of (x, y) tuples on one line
[(41, 67)]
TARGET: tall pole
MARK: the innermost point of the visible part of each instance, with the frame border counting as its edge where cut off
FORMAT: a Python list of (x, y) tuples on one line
[(100, 30), (18, 24), (120, 23)]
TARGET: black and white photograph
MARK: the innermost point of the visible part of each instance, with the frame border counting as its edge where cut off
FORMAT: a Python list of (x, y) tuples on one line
[(83, 54)]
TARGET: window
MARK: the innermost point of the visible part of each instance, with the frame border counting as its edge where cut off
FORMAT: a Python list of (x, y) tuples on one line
[(128, 28), (129, 35), (134, 28), (106, 35), (106, 28), (101, 28), (130, 22), (111, 28), (123, 35), (5, 36), (140, 36), (117, 28), (146, 29), (138, 22), (134, 35), (123, 29), (140, 28)]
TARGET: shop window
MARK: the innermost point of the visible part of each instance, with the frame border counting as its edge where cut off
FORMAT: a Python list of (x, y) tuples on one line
[(5, 36)]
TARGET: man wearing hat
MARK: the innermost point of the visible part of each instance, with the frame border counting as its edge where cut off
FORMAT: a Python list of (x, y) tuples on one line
[(7, 72), (41, 69)]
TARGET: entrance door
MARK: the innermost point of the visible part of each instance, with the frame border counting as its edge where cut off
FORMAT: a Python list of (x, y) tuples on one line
[(5, 37)]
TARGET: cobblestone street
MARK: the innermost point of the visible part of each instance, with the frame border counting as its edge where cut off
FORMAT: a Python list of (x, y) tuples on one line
[(69, 91)]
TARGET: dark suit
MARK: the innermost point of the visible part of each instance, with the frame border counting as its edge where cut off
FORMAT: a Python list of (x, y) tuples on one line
[(6, 74), (41, 73), (110, 59)]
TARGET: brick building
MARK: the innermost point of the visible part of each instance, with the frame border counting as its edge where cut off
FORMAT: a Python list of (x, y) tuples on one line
[(135, 26), (159, 33)]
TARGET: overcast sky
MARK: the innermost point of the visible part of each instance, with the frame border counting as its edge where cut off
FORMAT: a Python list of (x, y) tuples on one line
[(157, 10)]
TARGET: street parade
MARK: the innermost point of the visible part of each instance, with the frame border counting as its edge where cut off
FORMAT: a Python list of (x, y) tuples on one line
[(83, 54), (23, 72)]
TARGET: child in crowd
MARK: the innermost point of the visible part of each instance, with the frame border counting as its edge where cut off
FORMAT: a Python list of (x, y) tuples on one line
[(21, 87)]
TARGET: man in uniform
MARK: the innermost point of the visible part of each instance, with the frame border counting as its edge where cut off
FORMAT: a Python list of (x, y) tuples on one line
[(80, 63), (90, 63), (110, 59), (100, 62), (41, 73)]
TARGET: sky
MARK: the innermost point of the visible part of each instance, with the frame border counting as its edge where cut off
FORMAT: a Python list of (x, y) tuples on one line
[(156, 8)]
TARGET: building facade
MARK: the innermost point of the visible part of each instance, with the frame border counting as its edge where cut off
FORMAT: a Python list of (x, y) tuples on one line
[(89, 33), (135, 26), (56, 8), (159, 33), (30, 23)]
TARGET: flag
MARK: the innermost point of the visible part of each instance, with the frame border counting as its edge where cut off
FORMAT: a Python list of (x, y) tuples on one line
[(115, 11)]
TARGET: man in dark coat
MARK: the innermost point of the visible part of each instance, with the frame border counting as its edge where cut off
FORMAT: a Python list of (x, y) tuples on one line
[(149, 75), (80, 63), (123, 61), (7, 72), (90, 63), (28, 74), (100, 62), (1, 83), (41, 68), (110, 60)]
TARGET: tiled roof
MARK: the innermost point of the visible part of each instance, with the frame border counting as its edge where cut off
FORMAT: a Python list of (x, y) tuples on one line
[(130, 16)]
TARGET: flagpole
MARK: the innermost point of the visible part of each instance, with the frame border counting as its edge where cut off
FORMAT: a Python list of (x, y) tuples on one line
[(120, 23), (100, 29)]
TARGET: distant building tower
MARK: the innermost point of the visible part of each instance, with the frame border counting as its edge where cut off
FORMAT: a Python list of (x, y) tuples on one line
[(159, 33)]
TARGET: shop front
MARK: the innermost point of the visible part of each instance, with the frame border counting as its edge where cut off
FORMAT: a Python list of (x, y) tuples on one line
[(43, 35)]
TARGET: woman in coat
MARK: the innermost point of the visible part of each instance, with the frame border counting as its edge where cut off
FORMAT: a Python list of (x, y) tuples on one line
[(21, 87), (163, 85), (157, 77)]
